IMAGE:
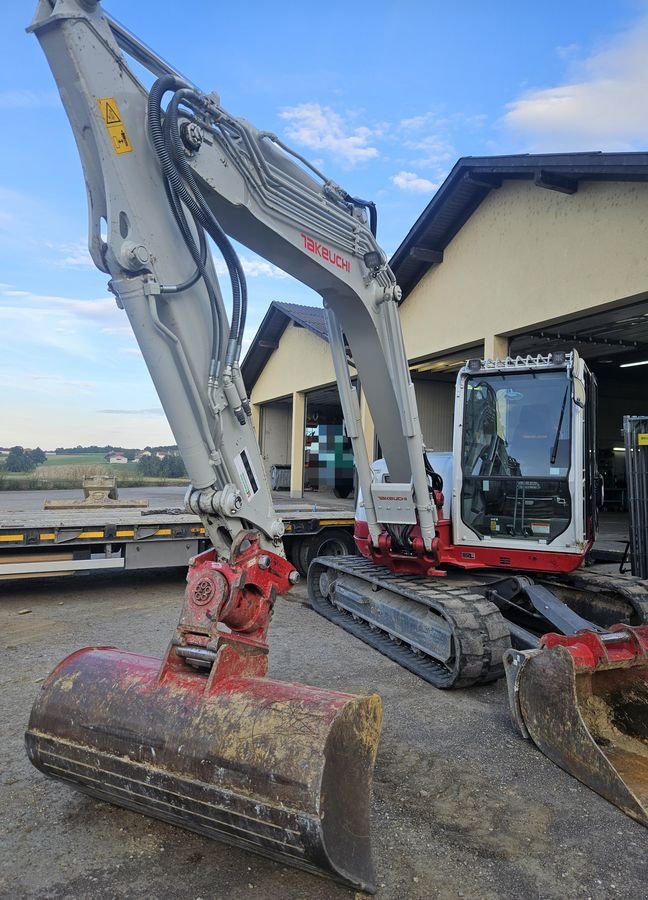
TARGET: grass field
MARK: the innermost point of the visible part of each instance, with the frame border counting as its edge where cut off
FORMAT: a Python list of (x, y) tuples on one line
[(96, 460), (76, 459), (68, 471)]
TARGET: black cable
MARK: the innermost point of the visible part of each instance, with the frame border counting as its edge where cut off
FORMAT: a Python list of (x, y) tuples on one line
[(237, 276), (179, 190), (199, 254)]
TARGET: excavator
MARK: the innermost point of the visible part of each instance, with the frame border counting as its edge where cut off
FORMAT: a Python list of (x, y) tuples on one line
[(454, 582)]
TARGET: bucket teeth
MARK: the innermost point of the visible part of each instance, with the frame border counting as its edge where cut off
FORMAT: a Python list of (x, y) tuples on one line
[(280, 769), (583, 700)]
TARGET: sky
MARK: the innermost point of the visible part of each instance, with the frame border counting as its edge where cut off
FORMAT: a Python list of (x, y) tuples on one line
[(384, 97)]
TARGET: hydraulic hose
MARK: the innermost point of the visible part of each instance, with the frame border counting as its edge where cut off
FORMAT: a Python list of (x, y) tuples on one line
[(237, 275), (181, 180), (177, 192)]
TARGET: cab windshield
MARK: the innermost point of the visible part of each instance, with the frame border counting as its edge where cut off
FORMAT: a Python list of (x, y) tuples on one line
[(516, 454)]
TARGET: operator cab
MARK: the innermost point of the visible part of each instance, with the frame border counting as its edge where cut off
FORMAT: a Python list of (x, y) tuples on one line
[(526, 456)]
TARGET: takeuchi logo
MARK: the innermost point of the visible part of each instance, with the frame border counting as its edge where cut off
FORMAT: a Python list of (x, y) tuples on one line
[(325, 253)]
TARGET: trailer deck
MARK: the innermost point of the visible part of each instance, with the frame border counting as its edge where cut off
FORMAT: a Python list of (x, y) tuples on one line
[(42, 542)]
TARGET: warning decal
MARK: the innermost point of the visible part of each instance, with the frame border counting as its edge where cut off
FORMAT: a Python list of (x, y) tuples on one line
[(642, 439), (114, 125)]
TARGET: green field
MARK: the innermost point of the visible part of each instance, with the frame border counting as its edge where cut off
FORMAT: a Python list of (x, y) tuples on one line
[(68, 471), (77, 459), (86, 459)]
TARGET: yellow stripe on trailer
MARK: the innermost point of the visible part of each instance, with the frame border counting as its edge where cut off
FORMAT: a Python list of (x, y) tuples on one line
[(163, 531), (47, 536), (130, 533), (91, 534), (12, 537), (197, 530), (336, 522)]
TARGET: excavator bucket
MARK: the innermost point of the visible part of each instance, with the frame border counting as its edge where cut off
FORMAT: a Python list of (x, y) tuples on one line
[(281, 769), (202, 740), (583, 700)]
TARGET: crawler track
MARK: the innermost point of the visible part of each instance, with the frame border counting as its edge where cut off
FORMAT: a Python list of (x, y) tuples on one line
[(604, 598), (478, 633)]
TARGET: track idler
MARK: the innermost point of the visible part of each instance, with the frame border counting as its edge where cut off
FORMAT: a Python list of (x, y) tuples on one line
[(583, 700), (203, 740)]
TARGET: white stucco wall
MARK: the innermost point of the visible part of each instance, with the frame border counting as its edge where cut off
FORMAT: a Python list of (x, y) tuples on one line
[(301, 362), (528, 256)]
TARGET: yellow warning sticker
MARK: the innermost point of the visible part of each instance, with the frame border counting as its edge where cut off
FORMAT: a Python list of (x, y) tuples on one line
[(642, 439), (114, 124)]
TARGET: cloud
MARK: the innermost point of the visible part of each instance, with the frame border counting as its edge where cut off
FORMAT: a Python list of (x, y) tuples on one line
[(433, 150), (95, 309), (58, 323), (410, 181), (253, 268), (21, 98), (71, 254), (601, 105), (415, 123), (118, 330), (56, 383), (45, 386), (321, 128), (150, 411), (427, 137)]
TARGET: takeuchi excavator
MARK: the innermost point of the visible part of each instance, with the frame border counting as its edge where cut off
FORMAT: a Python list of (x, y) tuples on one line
[(468, 561)]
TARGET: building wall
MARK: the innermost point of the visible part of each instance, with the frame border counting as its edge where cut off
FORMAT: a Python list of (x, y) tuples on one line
[(527, 256), (435, 401), (275, 432), (302, 361)]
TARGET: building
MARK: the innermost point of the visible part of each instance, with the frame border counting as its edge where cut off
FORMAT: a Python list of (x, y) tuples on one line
[(116, 459), (513, 255)]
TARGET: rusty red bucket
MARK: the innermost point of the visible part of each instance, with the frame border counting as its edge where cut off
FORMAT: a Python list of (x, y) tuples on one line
[(281, 769), (203, 740)]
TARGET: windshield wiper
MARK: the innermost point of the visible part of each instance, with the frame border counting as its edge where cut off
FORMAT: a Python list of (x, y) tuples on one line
[(554, 449)]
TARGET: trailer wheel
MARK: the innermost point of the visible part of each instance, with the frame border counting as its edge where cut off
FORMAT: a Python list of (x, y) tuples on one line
[(329, 542), (291, 548)]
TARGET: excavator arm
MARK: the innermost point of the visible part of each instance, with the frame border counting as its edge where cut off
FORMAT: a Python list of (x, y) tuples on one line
[(166, 170), (202, 738)]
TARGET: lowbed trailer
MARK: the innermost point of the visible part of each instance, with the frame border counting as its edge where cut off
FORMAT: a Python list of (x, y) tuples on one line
[(47, 543)]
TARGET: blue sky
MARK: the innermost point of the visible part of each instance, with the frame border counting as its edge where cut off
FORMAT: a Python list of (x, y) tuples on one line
[(383, 96)]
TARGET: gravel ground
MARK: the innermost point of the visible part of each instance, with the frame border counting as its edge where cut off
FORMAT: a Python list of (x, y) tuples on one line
[(462, 807)]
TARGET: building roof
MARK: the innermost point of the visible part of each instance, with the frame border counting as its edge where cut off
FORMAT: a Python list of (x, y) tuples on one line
[(474, 177), (468, 184), (274, 323)]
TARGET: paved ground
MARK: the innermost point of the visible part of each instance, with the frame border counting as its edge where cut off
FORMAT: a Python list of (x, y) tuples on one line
[(462, 807)]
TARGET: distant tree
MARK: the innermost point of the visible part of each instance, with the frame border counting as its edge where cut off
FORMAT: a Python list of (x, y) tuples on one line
[(150, 466), (38, 456), (173, 467), (169, 467), (92, 448), (19, 461)]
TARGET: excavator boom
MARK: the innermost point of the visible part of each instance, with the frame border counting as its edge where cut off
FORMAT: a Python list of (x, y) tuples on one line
[(283, 769)]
